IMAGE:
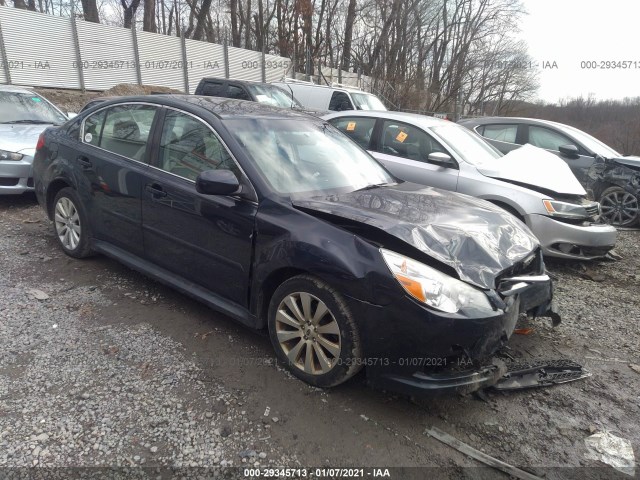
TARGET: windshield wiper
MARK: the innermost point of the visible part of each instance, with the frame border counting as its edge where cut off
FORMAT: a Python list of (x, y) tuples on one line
[(33, 121), (376, 185)]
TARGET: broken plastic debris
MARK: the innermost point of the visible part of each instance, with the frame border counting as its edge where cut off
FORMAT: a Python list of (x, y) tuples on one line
[(612, 450), (266, 411), (524, 331), (542, 373), (37, 294)]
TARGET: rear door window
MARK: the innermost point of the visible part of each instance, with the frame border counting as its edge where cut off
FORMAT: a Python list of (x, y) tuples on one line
[(406, 141), (213, 89), (359, 129), (126, 130), (340, 101), (501, 133), (237, 92)]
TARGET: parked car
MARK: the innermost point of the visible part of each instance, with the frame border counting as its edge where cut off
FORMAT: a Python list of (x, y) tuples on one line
[(611, 178), (95, 101), (335, 97), (23, 116), (278, 220), (245, 90), (535, 186)]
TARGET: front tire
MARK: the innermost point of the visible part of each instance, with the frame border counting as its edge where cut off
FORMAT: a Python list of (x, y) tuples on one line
[(313, 332), (71, 224), (619, 207)]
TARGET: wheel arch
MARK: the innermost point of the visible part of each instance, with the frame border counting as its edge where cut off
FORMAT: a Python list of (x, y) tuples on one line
[(512, 209), (268, 287), (52, 190)]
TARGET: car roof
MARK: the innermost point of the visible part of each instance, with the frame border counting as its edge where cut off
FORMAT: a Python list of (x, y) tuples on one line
[(235, 80), (422, 120), (499, 120), (221, 107), (16, 89)]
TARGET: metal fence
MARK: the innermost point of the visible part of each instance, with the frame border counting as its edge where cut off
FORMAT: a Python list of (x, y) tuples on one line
[(46, 51)]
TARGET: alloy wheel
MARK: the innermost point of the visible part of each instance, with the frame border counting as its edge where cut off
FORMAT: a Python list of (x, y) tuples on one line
[(308, 333), (619, 208), (67, 223)]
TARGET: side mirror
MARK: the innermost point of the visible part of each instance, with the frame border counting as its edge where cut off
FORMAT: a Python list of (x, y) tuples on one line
[(570, 151), (217, 182), (440, 158)]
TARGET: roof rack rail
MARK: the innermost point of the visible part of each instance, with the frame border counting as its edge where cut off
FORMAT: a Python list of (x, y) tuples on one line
[(295, 80)]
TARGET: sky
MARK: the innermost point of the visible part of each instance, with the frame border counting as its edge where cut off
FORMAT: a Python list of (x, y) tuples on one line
[(567, 38)]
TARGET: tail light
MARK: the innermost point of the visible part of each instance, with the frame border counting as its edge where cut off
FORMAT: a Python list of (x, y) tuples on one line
[(40, 143)]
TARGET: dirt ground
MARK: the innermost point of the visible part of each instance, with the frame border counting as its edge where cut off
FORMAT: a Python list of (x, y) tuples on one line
[(74, 100), (542, 431)]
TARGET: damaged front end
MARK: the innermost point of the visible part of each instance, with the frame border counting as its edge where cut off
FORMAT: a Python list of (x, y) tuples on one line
[(616, 183)]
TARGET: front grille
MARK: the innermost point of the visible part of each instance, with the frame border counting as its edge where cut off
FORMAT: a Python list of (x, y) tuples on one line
[(8, 181), (593, 209)]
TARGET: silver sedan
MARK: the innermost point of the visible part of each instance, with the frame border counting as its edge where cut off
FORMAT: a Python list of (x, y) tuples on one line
[(23, 116), (532, 184)]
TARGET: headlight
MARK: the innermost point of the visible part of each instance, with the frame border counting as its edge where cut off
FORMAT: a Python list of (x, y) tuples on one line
[(565, 210), (432, 287), (6, 155)]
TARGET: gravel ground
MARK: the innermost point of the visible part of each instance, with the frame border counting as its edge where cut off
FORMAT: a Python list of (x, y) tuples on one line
[(100, 366)]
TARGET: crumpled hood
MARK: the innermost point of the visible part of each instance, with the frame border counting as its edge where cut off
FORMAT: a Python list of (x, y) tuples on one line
[(534, 166), (630, 161), (476, 238), (20, 138)]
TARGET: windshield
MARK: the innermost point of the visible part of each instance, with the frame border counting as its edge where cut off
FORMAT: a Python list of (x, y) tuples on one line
[(273, 96), (18, 107), (592, 144), (469, 146), (298, 156), (366, 101)]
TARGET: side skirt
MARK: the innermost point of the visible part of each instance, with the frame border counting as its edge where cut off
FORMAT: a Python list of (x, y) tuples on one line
[(212, 300)]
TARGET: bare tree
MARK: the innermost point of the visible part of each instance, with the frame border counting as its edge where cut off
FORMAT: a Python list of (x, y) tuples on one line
[(149, 16), (90, 11), (129, 11)]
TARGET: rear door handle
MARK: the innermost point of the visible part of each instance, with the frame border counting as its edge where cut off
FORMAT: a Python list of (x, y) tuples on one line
[(155, 190), (84, 161)]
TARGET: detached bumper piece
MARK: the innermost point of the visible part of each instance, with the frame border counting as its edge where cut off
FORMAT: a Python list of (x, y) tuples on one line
[(521, 376), (447, 382)]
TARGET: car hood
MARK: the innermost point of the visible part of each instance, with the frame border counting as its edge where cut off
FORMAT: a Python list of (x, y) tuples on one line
[(20, 138), (476, 238), (529, 165), (630, 161)]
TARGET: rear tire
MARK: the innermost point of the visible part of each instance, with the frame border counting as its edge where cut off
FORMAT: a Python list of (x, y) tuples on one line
[(619, 207), (71, 224), (313, 332)]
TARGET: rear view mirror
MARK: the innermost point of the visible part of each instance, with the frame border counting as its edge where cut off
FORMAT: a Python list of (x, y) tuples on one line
[(570, 151), (440, 158), (217, 182)]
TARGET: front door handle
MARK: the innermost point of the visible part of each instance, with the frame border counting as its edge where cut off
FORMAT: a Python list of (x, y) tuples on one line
[(84, 161), (155, 190)]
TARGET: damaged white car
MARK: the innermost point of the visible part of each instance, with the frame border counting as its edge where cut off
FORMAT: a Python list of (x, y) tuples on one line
[(532, 184)]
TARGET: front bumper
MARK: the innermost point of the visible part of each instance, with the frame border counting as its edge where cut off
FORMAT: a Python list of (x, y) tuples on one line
[(16, 177), (411, 349), (566, 240)]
